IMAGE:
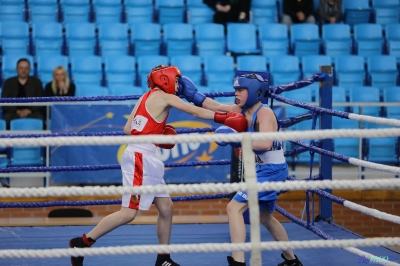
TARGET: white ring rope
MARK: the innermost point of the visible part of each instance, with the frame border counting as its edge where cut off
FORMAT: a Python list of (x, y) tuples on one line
[(201, 138), (374, 166), (201, 188), (372, 212), (375, 120), (194, 248)]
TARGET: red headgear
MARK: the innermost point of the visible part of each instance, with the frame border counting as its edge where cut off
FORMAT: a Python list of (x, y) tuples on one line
[(163, 77)]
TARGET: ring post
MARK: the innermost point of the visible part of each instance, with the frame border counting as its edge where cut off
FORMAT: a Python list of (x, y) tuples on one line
[(325, 165)]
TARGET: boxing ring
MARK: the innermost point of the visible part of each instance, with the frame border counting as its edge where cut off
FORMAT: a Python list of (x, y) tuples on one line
[(314, 242)]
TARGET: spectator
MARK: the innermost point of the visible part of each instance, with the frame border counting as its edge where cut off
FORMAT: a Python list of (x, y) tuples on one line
[(22, 86), (60, 85), (230, 10), (330, 11), (297, 11)]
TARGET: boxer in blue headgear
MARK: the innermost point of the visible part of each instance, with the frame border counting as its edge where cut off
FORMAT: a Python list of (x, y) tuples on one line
[(257, 88), (271, 165)]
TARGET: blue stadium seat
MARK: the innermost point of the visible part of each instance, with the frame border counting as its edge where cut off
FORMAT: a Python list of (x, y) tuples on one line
[(382, 150), (146, 64), (139, 14), (170, 11), (274, 39), (264, 11), (356, 12), (43, 11), (47, 38), (349, 71), (391, 94), (88, 90), (86, 69), (146, 38), (46, 65), (386, 11), (113, 39), (80, 38), (75, 11), (198, 12), (26, 156), (345, 146), (9, 65), (219, 70), (392, 32), (14, 37), (178, 38), (226, 87), (210, 39), (339, 94), (120, 70), (242, 38), (118, 90), (300, 95), (190, 66), (130, 3), (369, 95), (252, 63), (336, 39), (204, 89), (12, 12), (312, 63), (382, 71), (368, 39), (304, 39), (107, 11), (284, 69)]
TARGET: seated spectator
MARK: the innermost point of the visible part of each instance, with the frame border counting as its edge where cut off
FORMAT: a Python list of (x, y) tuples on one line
[(60, 85), (229, 10), (330, 11), (22, 86), (297, 11)]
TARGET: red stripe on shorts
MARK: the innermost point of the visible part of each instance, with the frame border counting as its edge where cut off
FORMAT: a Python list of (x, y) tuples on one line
[(137, 180)]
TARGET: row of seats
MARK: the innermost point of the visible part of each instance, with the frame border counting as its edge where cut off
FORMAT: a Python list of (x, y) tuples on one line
[(379, 150), (203, 39), (349, 71), (167, 11), (20, 155)]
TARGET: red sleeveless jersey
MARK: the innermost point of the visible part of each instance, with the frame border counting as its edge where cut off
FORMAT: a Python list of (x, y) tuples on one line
[(143, 123)]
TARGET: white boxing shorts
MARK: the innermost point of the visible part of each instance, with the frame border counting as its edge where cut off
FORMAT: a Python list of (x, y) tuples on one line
[(140, 167)]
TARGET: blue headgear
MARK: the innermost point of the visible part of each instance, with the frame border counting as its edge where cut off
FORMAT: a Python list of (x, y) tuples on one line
[(256, 86)]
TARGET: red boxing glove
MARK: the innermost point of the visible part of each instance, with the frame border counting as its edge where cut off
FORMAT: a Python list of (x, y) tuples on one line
[(168, 130), (233, 120)]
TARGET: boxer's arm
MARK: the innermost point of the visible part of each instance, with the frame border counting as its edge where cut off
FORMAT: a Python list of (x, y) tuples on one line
[(175, 101), (266, 123), (215, 106)]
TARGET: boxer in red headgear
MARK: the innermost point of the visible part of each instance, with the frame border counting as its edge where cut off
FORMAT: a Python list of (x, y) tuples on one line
[(139, 163)]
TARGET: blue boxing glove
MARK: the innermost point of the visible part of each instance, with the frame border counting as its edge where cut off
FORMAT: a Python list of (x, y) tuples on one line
[(189, 91), (227, 130)]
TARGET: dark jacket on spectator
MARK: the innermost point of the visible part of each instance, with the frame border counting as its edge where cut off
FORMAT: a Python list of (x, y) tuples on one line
[(326, 11), (33, 88), (291, 7), (49, 91)]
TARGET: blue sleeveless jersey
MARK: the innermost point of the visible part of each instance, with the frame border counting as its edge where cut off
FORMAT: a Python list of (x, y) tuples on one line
[(270, 166)]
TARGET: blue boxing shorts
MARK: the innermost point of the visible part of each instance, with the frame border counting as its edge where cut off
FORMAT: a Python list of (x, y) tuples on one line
[(266, 172)]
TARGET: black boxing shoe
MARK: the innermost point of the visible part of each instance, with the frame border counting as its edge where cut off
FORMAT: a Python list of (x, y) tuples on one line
[(165, 260), (80, 242), (287, 262), (233, 262)]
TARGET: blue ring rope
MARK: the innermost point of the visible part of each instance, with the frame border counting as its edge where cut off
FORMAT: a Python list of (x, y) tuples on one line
[(101, 202)]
